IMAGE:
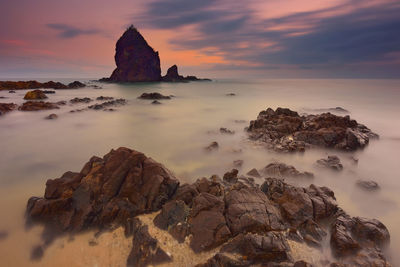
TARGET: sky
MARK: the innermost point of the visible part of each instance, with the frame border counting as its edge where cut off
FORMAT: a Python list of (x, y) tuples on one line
[(207, 38)]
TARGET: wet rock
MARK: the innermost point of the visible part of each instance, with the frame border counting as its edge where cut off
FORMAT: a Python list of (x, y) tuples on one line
[(249, 210), (212, 147), (253, 172), (226, 131), (332, 162), (312, 233), (108, 190), (231, 94), (11, 92), (136, 61), (268, 248), (80, 100), (207, 222), (7, 107), (280, 170), (35, 95), (37, 105), (368, 185), (61, 103), (172, 213), (76, 85), (51, 117), (232, 176), (285, 130), (104, 98), (371, 231), (49, 91), (9, 85), (172, 75), (145, 249), (238, 163), (107, 104), (153, 96), (156, 102)]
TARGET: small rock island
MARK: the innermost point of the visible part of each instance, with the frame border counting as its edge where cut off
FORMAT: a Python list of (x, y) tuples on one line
[(138, 62)]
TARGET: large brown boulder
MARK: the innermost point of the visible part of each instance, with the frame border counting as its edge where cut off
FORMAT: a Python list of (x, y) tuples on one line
[(285, 130), (136, 61), (122, 184), (35, 95)]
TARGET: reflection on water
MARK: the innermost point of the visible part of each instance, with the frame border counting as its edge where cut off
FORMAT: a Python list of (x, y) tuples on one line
[(34, 149)]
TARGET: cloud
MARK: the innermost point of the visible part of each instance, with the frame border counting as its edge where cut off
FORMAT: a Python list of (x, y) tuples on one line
[(68, 31), (350, 33)]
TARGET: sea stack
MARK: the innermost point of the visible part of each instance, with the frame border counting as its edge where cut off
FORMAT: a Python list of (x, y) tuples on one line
[(136, 60)]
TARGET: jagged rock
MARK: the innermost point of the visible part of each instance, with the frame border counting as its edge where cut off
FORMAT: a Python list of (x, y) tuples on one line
[(7, 107), (253, 172), (49, 92), (211, 147), (172, 213), (172, 75), (231, 177), (332, 162), (153, 96), (51, 117), (226, 131), (285, 130), (280, 170), (223, 260), (207, 222), (122, 184), (80, 100), (136, 61), (268, 248), (37, 105), (76, 85), (145, 249), (368, 185), (249, 210), (35, 95)]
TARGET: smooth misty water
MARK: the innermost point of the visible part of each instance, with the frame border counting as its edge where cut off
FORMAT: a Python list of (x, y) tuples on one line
[(33, 149)]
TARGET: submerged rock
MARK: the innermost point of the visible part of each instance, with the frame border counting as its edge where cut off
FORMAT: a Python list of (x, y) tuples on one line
[(76, 85), (153, 96), (368, 185), (52, 117), (285, 130), (35, 95), (7, 107), (80, 100), (37, 105), (332, 162), (105, 105), (280, 170), (212, 147), (226, 131), (173, 76), (104, 98), (156, 102), (122, 184)]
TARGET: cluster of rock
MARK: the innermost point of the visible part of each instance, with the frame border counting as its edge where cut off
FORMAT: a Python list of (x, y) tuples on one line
[(285, 130), (10, 85), (7, 107), (138, 62), (247, 224)]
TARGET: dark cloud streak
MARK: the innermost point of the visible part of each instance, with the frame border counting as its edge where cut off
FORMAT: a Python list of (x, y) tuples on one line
[(68, 31)]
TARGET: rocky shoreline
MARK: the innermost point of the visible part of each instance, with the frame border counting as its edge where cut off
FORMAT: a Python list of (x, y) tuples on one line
[(244, 221), (21, 85)]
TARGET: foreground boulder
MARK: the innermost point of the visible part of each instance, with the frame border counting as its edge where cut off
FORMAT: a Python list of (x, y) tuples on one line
[(285, 130), (122, 184), (35, 95), (7, 107)]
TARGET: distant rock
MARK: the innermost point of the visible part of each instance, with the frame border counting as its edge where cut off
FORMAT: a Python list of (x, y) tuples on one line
[(49, 91), (238, 163), (211, 147), (35, 95), (138, 62), (76, 85), (156, 102), (7, 107), (332, 162), (226, 131), (153, 96), (80, 100), (368, 185), (106, 105), (231, 94), (103, 98), (52, 117), (37, 105)]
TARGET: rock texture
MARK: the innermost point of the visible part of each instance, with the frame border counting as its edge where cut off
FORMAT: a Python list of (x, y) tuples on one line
[(7, 107), (285, 130), (37, 105), (10, 85), (332, 162), (154, 96), (35, 95), (122, 184), (136, 61)]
